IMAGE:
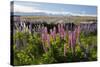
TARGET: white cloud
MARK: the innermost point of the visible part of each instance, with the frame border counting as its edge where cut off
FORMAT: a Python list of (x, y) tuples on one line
[(21, 8)]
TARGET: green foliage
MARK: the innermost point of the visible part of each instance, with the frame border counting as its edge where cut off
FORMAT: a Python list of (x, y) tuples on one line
[(32, 52)]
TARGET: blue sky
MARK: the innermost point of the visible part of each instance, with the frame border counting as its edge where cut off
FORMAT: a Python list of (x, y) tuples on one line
[(22, 6)]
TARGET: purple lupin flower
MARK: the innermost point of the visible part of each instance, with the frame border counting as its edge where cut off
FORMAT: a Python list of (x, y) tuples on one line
[(44, 38), (70, 40), (61, 31)]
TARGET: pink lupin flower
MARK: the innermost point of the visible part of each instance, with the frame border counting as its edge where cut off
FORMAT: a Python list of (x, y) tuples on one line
[(61, 31), (45, 30), (45, 38), (51, 33), (54, 29), (74, 37), (71, 40), (70, 37)]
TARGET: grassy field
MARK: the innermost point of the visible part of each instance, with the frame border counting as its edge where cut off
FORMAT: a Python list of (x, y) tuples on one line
[(56, 19)]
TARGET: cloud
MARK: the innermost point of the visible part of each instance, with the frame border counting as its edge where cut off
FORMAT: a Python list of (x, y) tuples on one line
[(22, 8), (29, 9)]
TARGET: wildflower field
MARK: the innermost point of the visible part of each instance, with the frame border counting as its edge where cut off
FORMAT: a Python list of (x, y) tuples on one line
[(45, 43)]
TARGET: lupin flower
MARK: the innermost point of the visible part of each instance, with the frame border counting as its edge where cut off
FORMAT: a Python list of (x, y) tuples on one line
[(51, 32), (42, 29), (78, 32), (51, 35), (44, 38), (65, 49), (45, 33), (61, 31), (70, 37), (45, 30), (74, 37), (71, 41), (48, 41), (54, 33)]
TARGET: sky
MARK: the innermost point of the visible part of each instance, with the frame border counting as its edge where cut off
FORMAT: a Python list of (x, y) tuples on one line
[(53, 8)]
